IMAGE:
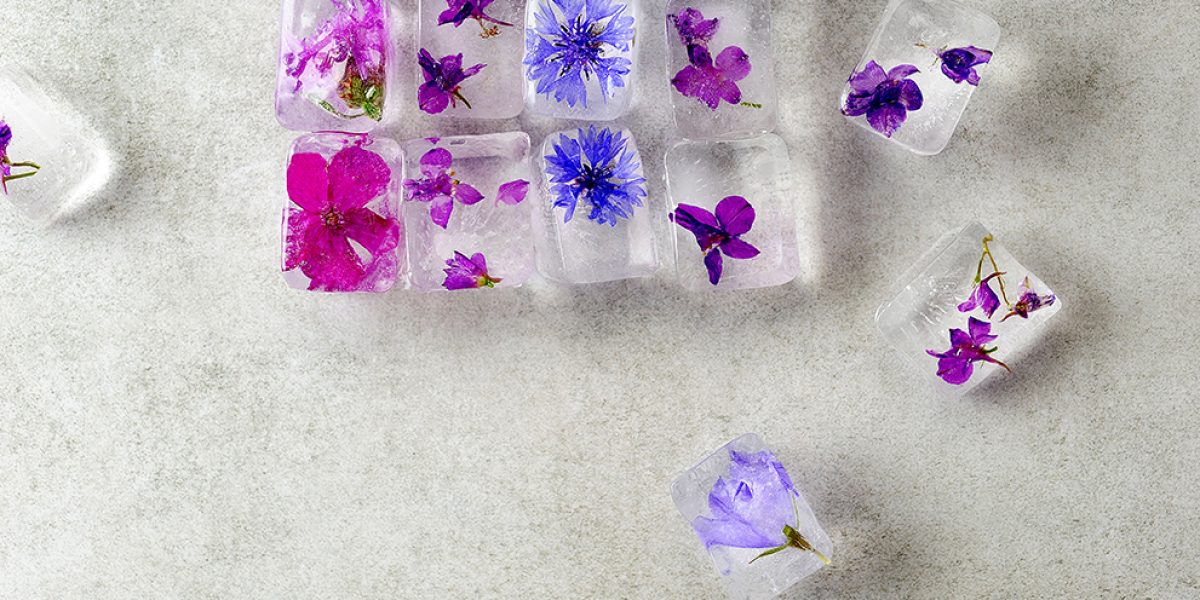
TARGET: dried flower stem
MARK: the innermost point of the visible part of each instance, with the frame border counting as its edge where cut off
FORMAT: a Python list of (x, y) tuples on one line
[(987, 253)]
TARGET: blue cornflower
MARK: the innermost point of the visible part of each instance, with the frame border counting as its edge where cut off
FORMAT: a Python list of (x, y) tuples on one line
[(574, 41), (597, 167)]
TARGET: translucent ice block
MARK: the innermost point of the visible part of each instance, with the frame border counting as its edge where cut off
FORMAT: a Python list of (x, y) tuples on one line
[(337, 66), (705, 174), (75, 162), (593, 223), (581, 58), (929, 303), (949, 44), (481, 188), (491, 36), (722, 73), (738, 501)]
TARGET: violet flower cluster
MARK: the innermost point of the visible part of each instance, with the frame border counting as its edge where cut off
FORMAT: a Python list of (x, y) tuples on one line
[(355, 36), (959, 63), (444, 77), (6, 163), (707, 79), (468, 272), (575, 41), (719, 233), (885, 97), (440, 187), (459, 11), (599, 169)]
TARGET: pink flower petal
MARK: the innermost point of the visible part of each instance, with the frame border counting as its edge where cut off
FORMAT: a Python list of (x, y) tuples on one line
[(440, 209), (376, 233), (435, 162), (734, 63), (308, 181), (356, 177), (467, 195), (513, 192)]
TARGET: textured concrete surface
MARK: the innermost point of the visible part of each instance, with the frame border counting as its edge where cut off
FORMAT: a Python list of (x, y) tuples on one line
[(176, 423)]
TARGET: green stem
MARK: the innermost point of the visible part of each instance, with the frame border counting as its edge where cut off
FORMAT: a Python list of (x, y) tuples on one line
[(750, 105), (9, 178), (458, 94), (988, 253), (330, 108), (29, 164)]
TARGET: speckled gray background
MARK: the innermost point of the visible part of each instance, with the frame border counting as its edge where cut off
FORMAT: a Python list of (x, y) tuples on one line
[(176, 423)]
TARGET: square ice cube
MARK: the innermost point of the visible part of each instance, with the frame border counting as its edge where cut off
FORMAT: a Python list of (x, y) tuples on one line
[(708, 183), (593, 224), (467, 212), (738, 500), (721, 67), (940, 294), (341, 223), (337, 66), (490, 36), (74, 160), (917, 75), (581, 60)]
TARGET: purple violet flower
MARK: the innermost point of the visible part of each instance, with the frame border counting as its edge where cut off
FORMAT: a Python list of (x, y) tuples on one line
[(563, 53), (596, 167), (711, 82), (463, 273), (6, 163), (461, 10), (719, 233), (443, 81), (1028, 302), (356, 34), (959, 63), (982, 297), (439, 188), (885, 97), (956, 365), (694, 31)]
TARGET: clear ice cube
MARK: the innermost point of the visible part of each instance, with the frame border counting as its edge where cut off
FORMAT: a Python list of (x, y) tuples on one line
[(922, 33), (712, 93), (491, 36), (497, 227), (769, 576), (702, 174), (920, 314), (596, 244)]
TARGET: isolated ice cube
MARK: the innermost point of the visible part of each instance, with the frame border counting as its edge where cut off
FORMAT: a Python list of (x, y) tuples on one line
[(491, 36), (74, 160), (337, 66), (704, 175), (948, 44), (481, 189), (593, 223), (934, 297), (581, 58), (738, 501), (721, 67)]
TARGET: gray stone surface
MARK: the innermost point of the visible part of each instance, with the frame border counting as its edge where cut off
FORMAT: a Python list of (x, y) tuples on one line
[(176, 423)]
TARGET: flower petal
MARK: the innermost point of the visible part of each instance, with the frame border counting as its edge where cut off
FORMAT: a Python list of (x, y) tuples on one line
[(374, 232), (513, 192), (712, 262), (467, 194), (357, 176), (432, 99), (866, 80), (899, 72), (887, 119), (733, 63), (910, 95), (435, 162), (694, 218), (980, 331), (955, 371), (739, 249), (440, 209), (308, 181), (735, 215)]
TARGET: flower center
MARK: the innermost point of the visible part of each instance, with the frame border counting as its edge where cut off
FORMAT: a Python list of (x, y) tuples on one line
[(577, 43), (333, 219), (888, 92)]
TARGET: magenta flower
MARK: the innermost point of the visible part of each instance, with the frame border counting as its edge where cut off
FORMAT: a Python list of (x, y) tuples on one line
[(982, 297), (956, 365), (461, 10), (694, 31), (719, 233), (513, 192), (959, 63), (711, 82), (885, 97), (332, 199), (443, 81), (439, 188), (1028, 302), (463, 273)]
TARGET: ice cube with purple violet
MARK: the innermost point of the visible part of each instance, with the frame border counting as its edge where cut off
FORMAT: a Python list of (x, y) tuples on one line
[(468, 62)]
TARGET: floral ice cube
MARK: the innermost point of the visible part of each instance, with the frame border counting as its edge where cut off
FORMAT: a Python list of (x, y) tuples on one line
[(732, 210), (337, 65), (51, 160), (593, 223), (919, 72), (467, 212), (721, 67), (341, 225), (966, 311), (469, 58), (754, 523), (580, 58)]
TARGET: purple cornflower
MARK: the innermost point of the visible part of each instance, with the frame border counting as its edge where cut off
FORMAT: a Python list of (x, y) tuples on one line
[(6, 163), (574, 41), (719, 233), (956, 365), (463, 273), (443, 81), (982, 297), (461, 10), (1028, 302), (694, 31), (596, 167), (439, 188), (711, 82), (959, 63), (885, 97)]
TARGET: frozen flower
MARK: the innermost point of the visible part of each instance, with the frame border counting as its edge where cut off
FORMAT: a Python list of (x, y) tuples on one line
[(461, 10), (959, 63), (513, 192), (885, 97), (982, 297), (574, 41), (356, 35), (956, 365), (6, 163), (719, 233), (443, 81), (463, 273), (711, 82), (694, 31), (596, 167), (331, 214), (1028, 302), (438, 187)]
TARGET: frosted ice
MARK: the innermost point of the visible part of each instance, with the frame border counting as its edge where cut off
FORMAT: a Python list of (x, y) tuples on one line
[(934, 24), (500, 231), (495, 92), (747, 25), (921, 313), (75, 161), (771, 575), (759, 170)]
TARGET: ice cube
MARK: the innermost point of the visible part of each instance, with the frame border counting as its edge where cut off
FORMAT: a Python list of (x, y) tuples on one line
[(738, 500), (721, 67), (711, 177), (593, 223), (581, 66), (467, 211), (491, 36), (933, 299), (949, 44)]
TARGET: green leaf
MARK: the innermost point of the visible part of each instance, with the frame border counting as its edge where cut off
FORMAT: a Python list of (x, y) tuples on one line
[(770, 552)]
